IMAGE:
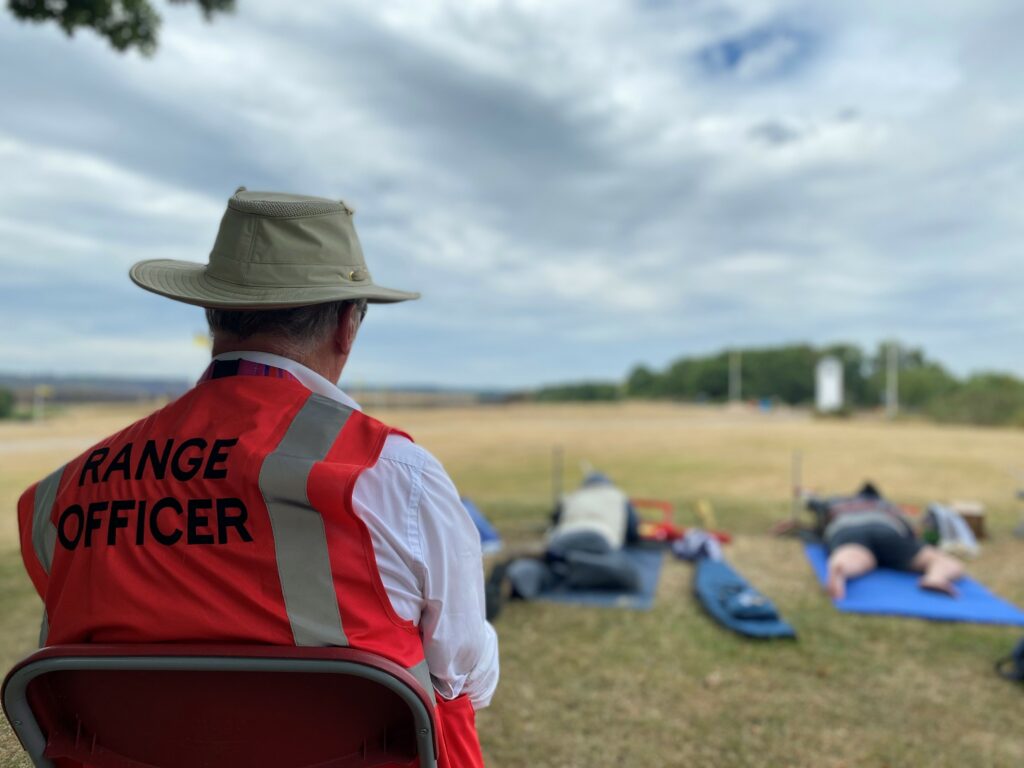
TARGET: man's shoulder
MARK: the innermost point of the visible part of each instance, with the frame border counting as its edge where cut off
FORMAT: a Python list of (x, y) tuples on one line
[(404, 463), (122, 435), (399, 448), (142, 427)]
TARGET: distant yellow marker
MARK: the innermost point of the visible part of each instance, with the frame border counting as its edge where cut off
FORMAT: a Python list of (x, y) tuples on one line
[(40, 393), (202, 340), (706, 514)]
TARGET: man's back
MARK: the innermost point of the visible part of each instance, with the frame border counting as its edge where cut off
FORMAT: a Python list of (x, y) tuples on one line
[(226, 516), (601, 509), (189, 524)]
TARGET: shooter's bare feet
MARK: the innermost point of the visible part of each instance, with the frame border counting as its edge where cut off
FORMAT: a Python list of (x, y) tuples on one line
[(943, 586), (836, 587)]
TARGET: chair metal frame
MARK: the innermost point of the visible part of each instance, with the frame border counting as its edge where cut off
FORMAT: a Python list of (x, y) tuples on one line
[(211, 658)]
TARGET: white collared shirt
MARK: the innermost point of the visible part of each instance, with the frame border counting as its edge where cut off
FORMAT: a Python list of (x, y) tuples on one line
[(427, 550)]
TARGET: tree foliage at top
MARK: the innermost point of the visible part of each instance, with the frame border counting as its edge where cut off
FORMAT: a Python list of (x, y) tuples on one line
[(125, 24)]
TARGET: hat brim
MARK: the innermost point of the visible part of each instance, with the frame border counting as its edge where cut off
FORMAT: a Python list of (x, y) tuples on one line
[(189, 282)]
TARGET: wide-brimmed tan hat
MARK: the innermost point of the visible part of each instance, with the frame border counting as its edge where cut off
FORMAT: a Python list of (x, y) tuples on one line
[(273, 250)]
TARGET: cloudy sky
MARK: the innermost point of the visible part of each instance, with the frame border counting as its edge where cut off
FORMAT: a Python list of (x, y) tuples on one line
[(574, 186)]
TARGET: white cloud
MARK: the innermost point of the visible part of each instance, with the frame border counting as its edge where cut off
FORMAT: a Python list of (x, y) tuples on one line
[(569, 185)]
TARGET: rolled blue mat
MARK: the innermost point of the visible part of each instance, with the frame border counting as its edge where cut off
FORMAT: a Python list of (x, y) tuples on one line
[(735, 604)]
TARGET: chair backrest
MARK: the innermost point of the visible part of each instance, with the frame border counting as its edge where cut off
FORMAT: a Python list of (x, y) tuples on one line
[(193, 706)]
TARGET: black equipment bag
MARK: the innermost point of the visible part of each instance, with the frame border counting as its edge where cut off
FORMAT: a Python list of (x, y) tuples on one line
[(1012, 667)]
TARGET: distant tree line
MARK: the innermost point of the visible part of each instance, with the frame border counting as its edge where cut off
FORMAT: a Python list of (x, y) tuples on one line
[(786, 375), (580, 391), (782, 374), (6, 403)]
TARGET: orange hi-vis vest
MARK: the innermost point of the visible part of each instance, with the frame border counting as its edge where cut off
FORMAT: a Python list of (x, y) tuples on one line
[(225, 516)]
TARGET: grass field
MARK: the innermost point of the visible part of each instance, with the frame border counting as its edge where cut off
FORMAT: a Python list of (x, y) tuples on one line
[(590, 687)]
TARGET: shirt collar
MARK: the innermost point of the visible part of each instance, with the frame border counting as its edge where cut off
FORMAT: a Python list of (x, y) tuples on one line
[(310, 379)]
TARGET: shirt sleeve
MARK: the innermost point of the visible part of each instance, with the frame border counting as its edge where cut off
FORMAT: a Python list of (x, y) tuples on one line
[(460, 645)]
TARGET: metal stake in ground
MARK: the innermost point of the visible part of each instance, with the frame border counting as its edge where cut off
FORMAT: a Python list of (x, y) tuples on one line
[(796, 480), (557, 465)]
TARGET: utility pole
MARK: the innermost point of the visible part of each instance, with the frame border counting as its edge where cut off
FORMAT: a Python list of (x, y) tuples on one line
[(735, 376), (892, 380), (39, 394)]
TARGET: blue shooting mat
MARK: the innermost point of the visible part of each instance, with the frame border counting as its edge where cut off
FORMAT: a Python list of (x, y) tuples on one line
[(896, 593), (717, 585), (490, 541), (648, 563)]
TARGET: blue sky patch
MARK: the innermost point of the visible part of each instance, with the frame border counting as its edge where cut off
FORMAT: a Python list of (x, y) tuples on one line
[(760, 53)]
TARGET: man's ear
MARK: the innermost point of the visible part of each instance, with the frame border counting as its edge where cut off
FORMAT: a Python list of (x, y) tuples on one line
[(348, 327)]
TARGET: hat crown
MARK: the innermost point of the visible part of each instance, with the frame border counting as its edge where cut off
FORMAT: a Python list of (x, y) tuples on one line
[(274, 239), (283, 205)]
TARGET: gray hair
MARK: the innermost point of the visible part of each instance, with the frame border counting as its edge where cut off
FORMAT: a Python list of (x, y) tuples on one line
[(298, 328)]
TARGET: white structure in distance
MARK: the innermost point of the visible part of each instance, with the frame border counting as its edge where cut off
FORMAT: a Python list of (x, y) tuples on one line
[(828, 391)]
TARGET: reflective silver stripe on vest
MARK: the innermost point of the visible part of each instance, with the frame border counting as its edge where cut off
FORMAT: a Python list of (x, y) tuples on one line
[(44, 629), (422, 673), (303, 562), (44, 532)]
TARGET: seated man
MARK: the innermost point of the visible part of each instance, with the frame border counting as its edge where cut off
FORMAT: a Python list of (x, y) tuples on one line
[(865, 531), (591, 525), (262, 506)]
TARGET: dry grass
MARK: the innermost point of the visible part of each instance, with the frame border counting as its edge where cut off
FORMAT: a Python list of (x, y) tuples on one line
[(590, 687)]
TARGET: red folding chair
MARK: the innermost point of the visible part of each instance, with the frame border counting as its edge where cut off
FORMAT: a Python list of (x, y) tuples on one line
[(193, 706)]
